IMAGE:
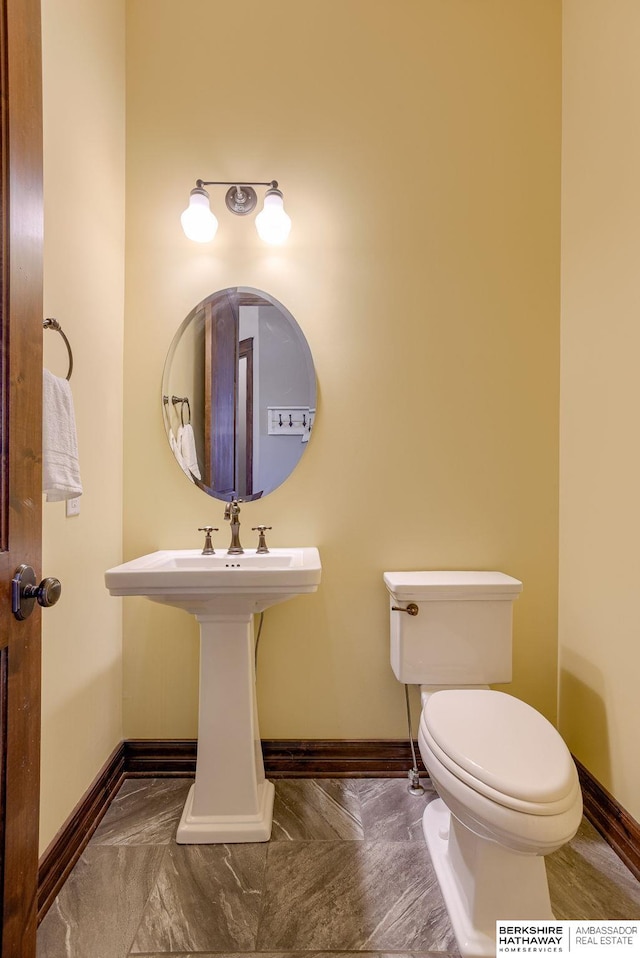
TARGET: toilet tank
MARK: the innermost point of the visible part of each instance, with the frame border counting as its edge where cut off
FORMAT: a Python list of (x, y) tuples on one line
[(462, 632)]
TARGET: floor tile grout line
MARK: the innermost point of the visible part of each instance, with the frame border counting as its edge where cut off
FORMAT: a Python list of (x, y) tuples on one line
[(300, 951), (262, 896), (152, 887)]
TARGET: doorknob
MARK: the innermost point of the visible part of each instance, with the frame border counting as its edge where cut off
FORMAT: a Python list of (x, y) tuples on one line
[(25, 593)]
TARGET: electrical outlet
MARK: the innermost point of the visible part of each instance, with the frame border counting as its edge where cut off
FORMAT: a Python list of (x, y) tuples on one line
[(73, 507)]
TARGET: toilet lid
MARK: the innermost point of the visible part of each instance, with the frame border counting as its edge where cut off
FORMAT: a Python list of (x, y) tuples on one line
[(501, 742)]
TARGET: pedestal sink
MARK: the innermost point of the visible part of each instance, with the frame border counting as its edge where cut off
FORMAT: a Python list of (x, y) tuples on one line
[(230, 800)]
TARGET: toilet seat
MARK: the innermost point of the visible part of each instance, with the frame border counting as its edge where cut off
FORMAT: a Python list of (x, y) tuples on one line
[(522, 827), (502, 748)]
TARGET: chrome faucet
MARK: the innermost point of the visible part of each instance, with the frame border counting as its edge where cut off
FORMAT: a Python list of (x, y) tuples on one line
[(231, 514)]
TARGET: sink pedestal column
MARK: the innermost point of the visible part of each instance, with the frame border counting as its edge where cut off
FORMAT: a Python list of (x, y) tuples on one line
[(230, 801)]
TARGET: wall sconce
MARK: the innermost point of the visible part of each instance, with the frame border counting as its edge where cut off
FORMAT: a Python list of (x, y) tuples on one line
[(272, 223)]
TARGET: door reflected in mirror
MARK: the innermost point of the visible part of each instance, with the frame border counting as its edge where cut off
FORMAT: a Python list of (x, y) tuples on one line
[(238, 394)]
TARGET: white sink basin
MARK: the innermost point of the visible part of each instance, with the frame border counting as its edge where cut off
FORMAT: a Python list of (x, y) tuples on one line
[(231, 801), (250, 582)]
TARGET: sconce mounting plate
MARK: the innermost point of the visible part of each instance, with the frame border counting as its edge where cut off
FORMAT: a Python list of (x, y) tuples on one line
[(241, 199)]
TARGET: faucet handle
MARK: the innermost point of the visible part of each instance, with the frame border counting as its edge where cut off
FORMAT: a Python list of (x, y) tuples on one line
[(232, 508), (208, 545), (262, 542)]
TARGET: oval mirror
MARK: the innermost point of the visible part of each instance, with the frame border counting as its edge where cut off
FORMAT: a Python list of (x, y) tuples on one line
[(238, 394)]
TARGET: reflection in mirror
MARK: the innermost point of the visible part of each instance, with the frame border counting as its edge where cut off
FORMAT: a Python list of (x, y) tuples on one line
[(238, 394)]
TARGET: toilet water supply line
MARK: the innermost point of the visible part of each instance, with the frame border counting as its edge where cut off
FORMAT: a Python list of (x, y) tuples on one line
[(255, 649), (415, 788)]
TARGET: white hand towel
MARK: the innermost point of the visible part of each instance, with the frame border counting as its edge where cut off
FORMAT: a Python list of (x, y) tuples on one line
[(60, 466), (175, 448), (188, 450)]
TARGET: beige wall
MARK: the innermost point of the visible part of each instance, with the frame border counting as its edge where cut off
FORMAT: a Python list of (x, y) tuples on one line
[(421, 167), (83, 54), (600, 390), (418, 145)]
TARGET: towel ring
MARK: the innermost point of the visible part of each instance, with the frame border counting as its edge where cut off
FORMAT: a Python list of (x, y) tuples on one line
[(184, 401), (54, 324)]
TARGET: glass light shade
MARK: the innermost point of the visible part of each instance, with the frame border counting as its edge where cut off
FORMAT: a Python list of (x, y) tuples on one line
[(198, 222), (272, 223)]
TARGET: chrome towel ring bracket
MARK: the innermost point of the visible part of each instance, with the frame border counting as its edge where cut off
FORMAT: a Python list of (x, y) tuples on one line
[(54, 324)]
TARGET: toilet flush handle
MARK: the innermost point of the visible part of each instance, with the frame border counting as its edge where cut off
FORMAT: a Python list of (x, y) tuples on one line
[(411, 609)]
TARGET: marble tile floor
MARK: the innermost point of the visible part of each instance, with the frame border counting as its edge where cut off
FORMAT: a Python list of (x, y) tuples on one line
[(346, 871)]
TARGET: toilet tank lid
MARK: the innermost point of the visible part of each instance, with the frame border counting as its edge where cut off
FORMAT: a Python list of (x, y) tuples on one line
[(441, 586)]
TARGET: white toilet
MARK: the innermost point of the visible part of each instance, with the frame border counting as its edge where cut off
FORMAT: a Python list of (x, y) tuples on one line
[(508, 787)]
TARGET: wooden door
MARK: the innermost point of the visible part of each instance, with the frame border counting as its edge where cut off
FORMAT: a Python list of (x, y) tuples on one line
[(244, 453), (220, 395), (20, 466)]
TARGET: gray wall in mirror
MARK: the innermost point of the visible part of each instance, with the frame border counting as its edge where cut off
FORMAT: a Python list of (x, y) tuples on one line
[(238, 394)]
